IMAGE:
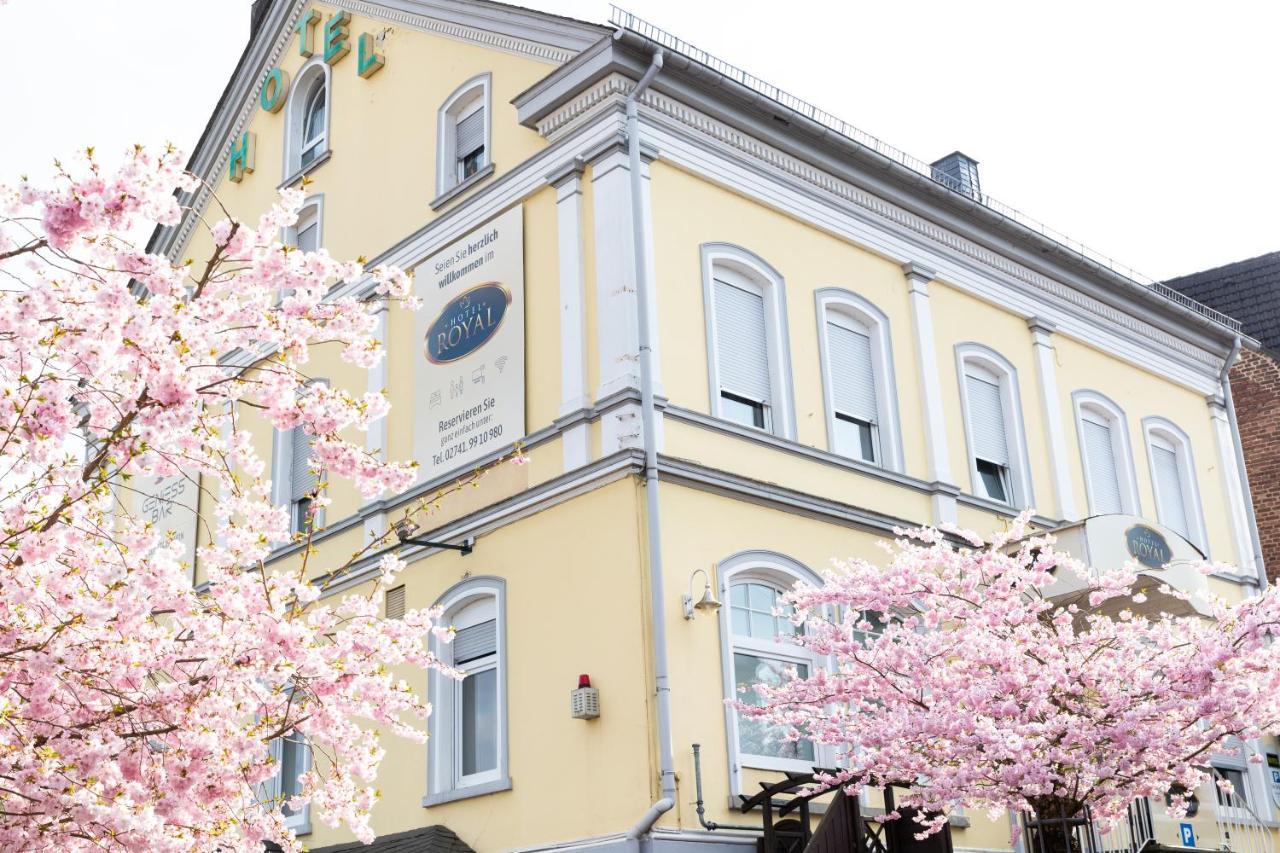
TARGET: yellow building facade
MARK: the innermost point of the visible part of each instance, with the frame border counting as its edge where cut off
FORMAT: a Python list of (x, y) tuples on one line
[(841, 341)]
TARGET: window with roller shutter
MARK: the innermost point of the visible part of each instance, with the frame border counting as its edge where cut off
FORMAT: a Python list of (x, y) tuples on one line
[(989, 434), (853, 389), (1173, 479), (742, 353), (1100, 464)]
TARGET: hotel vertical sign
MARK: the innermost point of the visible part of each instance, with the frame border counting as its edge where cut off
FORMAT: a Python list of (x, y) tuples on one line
[(470, 347)]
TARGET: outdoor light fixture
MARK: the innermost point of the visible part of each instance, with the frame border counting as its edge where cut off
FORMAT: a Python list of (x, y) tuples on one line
[(708, 601), (406, 531)]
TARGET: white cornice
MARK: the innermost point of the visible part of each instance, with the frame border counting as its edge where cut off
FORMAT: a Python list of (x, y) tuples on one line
[(997, 274), (462, 32), (234, 113)]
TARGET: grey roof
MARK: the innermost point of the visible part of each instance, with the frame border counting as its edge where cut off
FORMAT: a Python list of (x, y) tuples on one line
[(1248, 290), (428, 839)]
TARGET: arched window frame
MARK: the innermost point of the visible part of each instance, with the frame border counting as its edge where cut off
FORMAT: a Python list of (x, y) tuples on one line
[(749, 268), (1158, 429), (836, 304), (282, 455), (781, 572), (444, 780), (315, 73), (1093, 405), (311, 213), (272, 789), (988, 360), (474, 94)]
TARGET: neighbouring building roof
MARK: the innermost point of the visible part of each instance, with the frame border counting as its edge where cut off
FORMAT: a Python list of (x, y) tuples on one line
[(1248, 290), (428, 839)]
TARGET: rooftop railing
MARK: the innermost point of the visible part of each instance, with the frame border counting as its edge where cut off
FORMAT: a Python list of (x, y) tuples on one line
[(627, 21)]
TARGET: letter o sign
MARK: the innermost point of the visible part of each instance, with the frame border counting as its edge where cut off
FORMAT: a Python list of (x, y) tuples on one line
[(273, 90)]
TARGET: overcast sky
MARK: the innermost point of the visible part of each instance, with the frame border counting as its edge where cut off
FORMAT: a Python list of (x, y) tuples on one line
[(1146, 130)]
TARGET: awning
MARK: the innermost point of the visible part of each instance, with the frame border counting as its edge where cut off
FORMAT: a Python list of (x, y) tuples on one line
[(429, 839), (1164, 558)]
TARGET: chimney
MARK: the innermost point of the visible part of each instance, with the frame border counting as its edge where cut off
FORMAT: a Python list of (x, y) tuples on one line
[(958, 171), (257, 14)]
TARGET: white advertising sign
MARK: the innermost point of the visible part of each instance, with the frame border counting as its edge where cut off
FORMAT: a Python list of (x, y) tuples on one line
[(170, 504), (470, 347)]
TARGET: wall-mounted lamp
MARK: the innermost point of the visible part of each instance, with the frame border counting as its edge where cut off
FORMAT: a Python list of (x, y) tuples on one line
[(406, 531), (708, 601)]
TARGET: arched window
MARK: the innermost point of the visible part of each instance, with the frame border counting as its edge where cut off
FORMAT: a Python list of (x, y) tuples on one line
[(463, 143), (307, 119), (468, 726), (858, 382), (294, 481), (1105, 455), (758, 648), (992, 407), (306, 234), (747, 352), (1173, 477), (292, 757)]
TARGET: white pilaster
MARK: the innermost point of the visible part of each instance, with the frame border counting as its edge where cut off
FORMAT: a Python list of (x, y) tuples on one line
[(573, 320), (1051, 407), (617, 318), (935, 424), (1231, 474), (375, 440)]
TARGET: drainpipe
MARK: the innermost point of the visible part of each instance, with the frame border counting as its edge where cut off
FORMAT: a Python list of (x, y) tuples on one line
[(657, 594), (649, 818), (1225, 379)]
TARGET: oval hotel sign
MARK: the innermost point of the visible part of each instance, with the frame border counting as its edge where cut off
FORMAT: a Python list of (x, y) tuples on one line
[(1147, 546), (467, 322)]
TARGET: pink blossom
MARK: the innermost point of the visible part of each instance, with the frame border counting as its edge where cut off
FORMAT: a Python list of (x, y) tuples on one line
[(139, 713)]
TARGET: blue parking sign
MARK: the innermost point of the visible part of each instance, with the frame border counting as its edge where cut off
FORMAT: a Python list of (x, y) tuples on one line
[(1188, 833)]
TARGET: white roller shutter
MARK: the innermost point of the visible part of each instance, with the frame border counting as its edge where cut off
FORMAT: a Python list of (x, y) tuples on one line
[(470, 134), (303, 480), (475, 642), (1100, 459), (986, 420), (1173, 504), (742, 347), (853, 382)]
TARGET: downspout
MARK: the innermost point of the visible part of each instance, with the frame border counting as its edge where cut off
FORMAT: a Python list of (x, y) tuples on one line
[(1225, 380), (657, 593)]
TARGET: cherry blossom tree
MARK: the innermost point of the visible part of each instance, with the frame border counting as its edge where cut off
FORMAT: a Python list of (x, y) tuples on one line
[(955, 676), (138, 712)]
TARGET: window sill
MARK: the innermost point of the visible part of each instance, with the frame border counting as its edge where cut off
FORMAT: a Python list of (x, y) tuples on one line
[(305, 170), (460, 188), (302, 827), (441, 797)]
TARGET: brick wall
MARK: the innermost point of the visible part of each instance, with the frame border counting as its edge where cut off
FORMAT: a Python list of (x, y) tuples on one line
[(1255, 386)]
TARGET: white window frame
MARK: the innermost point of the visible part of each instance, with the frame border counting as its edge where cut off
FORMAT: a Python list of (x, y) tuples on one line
[(315, 72), (444, 782), (742, 267), (988, 360), (846, 308), (474, 94), (312, 210), (1095, 406), (782, 572), (282, 470), (1164, 430), (1257, 788), (300, 821)]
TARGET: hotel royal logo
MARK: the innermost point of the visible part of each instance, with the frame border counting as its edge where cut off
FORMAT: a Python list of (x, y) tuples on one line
[(467, 322)]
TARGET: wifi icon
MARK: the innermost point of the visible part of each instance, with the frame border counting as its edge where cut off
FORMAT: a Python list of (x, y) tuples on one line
[(500, 362)]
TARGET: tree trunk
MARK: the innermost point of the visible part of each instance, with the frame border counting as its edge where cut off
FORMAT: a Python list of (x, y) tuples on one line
[(1060, 825)]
